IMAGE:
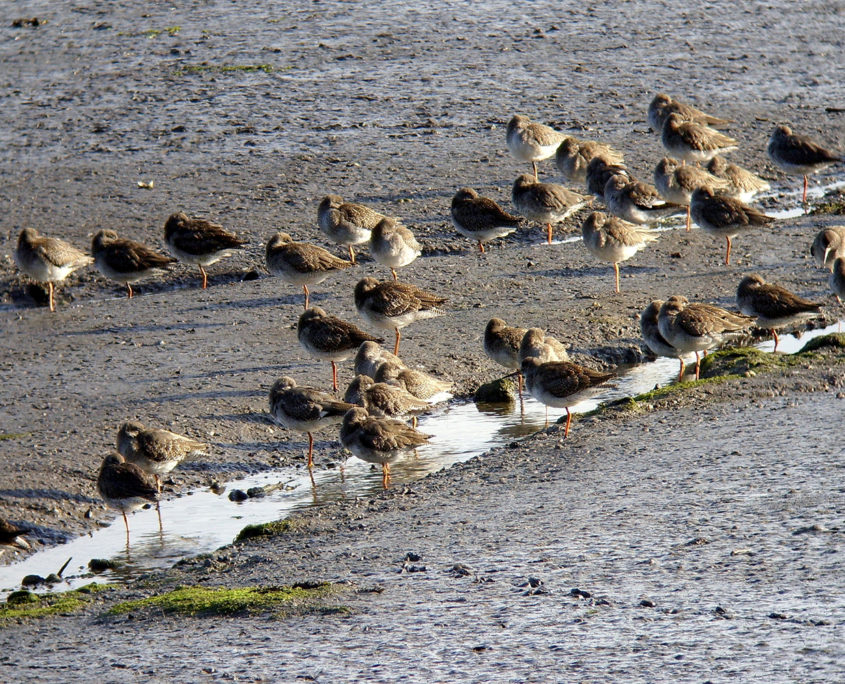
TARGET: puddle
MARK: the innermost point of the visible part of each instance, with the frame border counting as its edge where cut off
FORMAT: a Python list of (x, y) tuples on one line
[(200, 521)]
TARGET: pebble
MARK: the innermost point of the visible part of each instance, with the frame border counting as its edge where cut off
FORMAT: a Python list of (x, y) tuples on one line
[(238, 495)]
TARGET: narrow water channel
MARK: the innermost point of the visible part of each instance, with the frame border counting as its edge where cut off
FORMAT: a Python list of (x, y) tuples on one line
[(200, 521)]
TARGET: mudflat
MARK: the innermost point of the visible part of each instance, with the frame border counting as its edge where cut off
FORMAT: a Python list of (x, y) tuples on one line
[(119, 116)]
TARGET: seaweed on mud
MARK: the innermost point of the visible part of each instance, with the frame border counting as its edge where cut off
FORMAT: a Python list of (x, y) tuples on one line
[(26, 604), (205, 67), (222, 601), (269, 529)]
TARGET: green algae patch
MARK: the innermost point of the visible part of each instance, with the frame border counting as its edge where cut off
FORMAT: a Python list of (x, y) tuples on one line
[(26, 604), (225, 68), (834, 340), (269, 529), (219, 601), (13, 435), (501, 391), (834, 207), (744, 360)]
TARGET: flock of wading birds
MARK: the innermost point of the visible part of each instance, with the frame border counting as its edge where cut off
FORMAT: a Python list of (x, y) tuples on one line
[(714, 198)]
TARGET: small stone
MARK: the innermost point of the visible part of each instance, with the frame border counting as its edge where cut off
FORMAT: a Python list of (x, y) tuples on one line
[(647, 603), (501, 391), (98, 565), (256, 492), (32, 580), (412, 557), (238, 495)]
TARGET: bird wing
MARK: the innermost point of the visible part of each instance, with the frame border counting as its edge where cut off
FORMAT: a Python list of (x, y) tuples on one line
[(773, 301), (382, 434), (128, 256), (200, 236)]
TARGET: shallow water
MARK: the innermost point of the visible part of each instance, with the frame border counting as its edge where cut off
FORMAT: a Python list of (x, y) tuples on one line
[(200, 521)]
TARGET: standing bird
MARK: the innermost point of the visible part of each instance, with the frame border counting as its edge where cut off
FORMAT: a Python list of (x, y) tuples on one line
[(662, 106), (300, 263), (694, 142), (599, 171), (611, 239), (330, 338), (535, 344), (391, 305), (828, 244), (773, 306), (305, 409), (378, 440), (48, 260), (346, 223), (635, 201), (799, 155), (12, 535), (545, 202), (573, 156), (155, 451), (480, 218), (836, 280), (501, 344), (725, 216), (370, 356), (199, 242), (676, 183), (694, 327), (561, 384), (393, 245), (126, 261), (125, 487), (652, 337), (742, 183), (381, 398), (421, 385), (532, 142)]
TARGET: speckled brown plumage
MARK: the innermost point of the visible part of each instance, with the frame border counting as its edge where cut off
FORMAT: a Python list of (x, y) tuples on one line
[(773, 306), (126, 261), (663, 105), (480, 218), (198, 241), (346, 223)]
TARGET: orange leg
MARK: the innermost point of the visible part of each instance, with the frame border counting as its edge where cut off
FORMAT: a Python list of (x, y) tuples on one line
[(52, 302), (351, 254), (616, 268), (481, 247), (385, 475), (395, 346), (334, 376), (681, 371), (204, 278), (804, 196), (310, 451), (519, 382), (393, 271), (129, 292), (697, 366), (305, 290), (568, 421), (775, 333), (549, 233), (536, 178), (688, 219), (126, 522), (728, 253)]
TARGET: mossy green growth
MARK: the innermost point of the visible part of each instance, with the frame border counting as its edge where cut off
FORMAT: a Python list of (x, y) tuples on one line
[(836, 340), (740, 361), (835, 207), (13, 435), (501, 391), (26, 604), (270, 529), (205, 601), (224, 68)]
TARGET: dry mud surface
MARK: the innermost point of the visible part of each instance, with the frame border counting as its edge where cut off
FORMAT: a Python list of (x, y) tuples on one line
[(398, 105)]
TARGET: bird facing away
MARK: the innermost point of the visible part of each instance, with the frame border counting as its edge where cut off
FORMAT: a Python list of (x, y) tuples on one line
[(391, 305), (828, 244), (480, 218), (773, 306), (305, 409), (155, 451), (12, 535), (663, 105), (799, 155), (198, 241), (501, 344), (300, 263), (725, 216), (742, 183), (370, 356), (421, 385), (836, 280), (393, 245), (652, 337), (346, 223), (48, 260), (694, 327), (382, 399), (635, 201), (611, 239), (126, 261), (378, 440), (125, 487), (532, 142), (573, 156), (676, 182), (536, 344), (330, 338), (545, 202), (694, 142), (599, 171), (561, 384)]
